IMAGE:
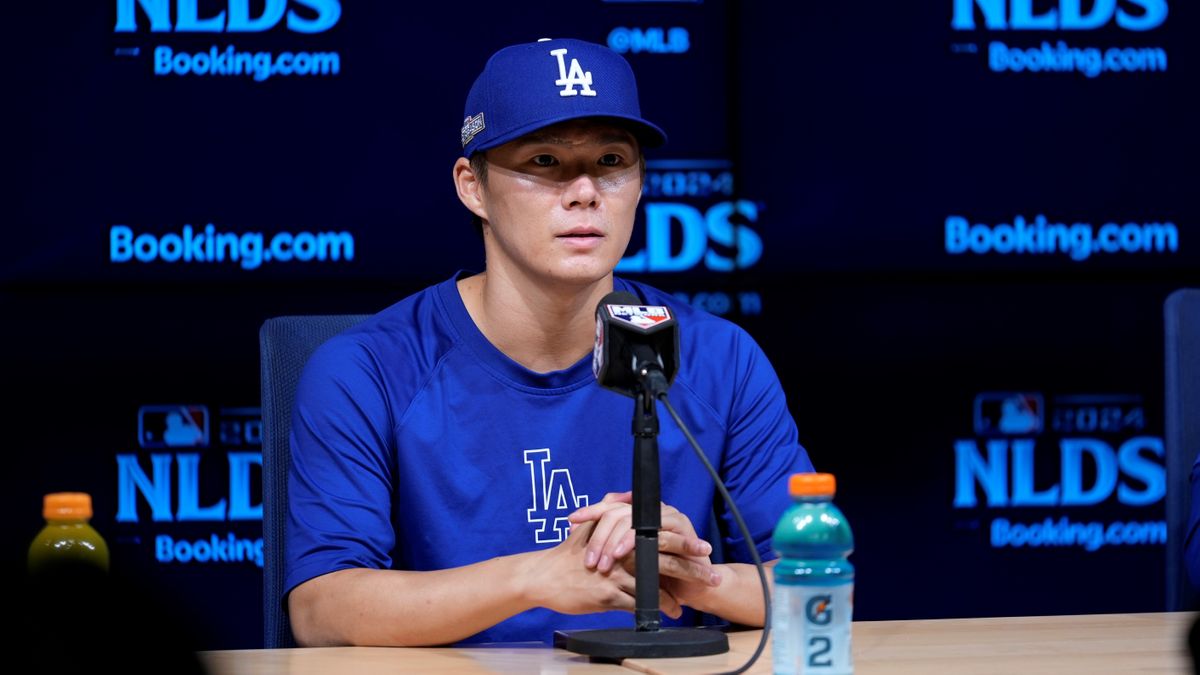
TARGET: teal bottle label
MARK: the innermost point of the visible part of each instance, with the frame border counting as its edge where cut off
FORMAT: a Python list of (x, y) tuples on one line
[(810, 627)]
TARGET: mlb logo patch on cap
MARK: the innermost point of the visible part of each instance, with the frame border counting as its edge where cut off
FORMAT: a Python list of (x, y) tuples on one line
[(526, 87), (471, 127)]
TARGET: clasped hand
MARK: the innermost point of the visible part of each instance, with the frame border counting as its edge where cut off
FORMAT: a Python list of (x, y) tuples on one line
[(604, 537)]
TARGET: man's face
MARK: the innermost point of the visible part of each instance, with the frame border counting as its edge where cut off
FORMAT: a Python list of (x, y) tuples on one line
[(559, 203)]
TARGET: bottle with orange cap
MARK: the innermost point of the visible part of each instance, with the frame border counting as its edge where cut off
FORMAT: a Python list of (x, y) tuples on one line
[(813, 600), (67, 540)]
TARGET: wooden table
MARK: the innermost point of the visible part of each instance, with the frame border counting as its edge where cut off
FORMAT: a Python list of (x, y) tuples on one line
[(1098, 643)]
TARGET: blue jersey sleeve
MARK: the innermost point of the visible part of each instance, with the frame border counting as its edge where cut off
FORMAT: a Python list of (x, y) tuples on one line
[(341, 476), (763, 449)]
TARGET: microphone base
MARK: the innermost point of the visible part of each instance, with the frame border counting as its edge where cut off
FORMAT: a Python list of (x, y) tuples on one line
[(624, 643)]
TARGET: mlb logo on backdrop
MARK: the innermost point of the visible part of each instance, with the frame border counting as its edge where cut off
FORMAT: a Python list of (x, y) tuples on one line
[(1009, 413), (173, 426)]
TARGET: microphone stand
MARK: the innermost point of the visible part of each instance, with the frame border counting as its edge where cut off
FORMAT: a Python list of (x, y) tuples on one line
[(647, 515), (648, 639)]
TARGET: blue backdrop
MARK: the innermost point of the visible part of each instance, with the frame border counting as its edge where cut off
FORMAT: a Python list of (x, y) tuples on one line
[(950, 226)]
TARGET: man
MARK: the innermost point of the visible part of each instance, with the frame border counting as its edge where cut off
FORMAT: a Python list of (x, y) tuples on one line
[(457, 473)]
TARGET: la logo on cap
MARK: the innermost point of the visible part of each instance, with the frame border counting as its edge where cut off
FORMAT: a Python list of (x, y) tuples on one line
[(576, 76)]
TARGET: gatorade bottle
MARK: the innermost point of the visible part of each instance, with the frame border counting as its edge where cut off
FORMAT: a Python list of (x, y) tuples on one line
[(814, 582), (67, 540)]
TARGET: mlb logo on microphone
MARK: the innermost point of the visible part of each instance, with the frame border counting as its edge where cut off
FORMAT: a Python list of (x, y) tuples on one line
[(640, 316), (1009, 414), (173, 426)]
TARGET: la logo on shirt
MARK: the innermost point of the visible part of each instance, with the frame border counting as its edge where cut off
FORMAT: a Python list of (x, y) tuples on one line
[(554, 498)]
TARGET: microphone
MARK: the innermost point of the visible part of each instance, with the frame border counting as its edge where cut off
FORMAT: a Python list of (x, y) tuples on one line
[(637, 355), (637, 346)]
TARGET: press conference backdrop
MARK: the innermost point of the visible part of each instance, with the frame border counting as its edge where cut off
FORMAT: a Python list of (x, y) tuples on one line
[(951, 226)]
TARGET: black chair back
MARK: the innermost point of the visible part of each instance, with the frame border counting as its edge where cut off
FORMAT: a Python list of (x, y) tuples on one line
[(1182, 443), (285, 343)]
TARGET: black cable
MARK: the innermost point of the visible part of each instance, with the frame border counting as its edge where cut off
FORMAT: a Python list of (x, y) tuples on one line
[(741, 523)]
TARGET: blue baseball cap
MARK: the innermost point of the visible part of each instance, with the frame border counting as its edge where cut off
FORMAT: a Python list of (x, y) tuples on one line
[(526, 87)]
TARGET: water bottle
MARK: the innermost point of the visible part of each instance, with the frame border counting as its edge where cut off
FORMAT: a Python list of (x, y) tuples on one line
[(814, 582), (67, 540)]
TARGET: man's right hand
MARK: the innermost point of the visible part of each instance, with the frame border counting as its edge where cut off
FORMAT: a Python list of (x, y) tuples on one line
[(557, 579)]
